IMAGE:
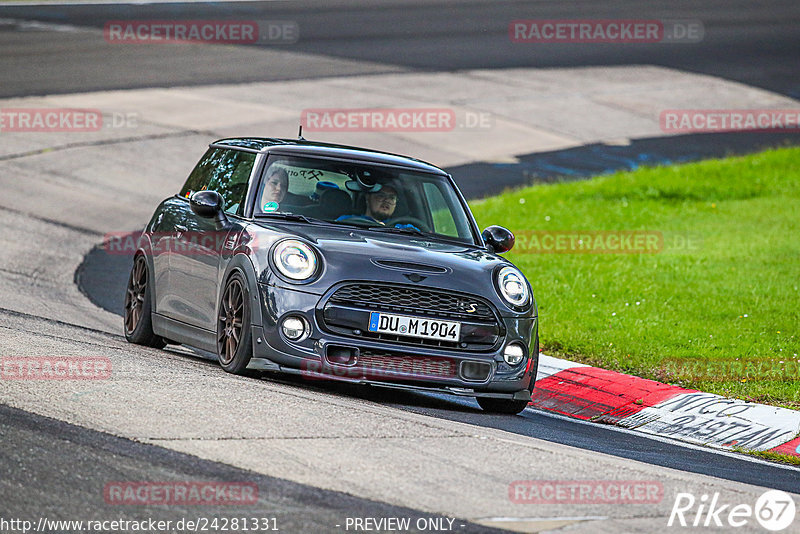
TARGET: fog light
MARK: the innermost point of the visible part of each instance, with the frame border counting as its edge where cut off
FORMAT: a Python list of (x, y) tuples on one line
[(513, 354), (294, 328)]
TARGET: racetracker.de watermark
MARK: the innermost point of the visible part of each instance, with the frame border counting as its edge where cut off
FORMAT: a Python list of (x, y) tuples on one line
[(729, 120), (588, 242), (384, 120), (201, 31), (365, 368), (189, 243), (180, 493), (605, 242), (620, 31), (63, 120), (55, 368), (585, 491)]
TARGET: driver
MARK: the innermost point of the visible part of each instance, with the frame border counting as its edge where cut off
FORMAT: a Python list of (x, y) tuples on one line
[(380, 207), (381, 204)]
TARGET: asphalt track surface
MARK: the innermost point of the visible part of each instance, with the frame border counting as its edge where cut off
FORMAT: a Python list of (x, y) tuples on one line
[(44, 481), (593, 437), (102, 277), (755, 43)]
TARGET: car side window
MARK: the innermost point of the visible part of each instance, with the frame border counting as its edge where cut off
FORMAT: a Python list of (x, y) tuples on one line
[(201, 174), (225, 171), (443, 222), (230, 179)]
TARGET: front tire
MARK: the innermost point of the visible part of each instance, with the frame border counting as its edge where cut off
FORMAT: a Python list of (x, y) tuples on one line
[(138, 305), (502, 406), (234, 336)]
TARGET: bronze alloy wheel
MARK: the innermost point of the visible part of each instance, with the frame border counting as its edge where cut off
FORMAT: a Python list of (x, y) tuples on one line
[(231, 320), (135, 295)]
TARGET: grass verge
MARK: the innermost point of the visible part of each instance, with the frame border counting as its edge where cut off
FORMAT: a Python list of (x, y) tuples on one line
[(772, 456), (710, 300)]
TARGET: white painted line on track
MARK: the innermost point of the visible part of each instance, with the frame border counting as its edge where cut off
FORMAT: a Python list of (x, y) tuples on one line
[(568, 518), (35, 25), (549, 365)]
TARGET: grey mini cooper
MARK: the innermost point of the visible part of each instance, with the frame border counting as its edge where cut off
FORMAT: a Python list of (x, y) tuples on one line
[(335, 263)]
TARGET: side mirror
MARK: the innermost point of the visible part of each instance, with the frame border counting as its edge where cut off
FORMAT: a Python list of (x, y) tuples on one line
[(206, 204), (498, 239)]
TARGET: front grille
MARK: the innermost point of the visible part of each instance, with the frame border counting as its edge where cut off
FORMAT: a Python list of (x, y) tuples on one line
[(346, 313), (416, 301), (378, 364)]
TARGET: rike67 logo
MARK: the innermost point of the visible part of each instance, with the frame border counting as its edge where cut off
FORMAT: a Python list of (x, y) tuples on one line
[(774, 510)]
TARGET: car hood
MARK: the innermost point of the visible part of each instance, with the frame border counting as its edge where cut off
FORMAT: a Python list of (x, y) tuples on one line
[(350, 253)]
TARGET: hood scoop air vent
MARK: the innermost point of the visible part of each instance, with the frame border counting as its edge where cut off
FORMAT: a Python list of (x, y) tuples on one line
[(408, 266)]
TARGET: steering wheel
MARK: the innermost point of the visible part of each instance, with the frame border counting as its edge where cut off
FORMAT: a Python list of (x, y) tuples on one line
[(363, 220), (406, 219)]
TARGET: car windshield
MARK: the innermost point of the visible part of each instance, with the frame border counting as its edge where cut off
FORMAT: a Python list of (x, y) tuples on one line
[(382, 198)]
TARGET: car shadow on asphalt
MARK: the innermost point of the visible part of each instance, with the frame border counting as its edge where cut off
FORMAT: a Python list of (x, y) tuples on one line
[(380, 395)]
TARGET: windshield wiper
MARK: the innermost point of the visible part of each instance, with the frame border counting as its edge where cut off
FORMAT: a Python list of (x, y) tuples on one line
[(408, 231), (427, 235), (289, 217)]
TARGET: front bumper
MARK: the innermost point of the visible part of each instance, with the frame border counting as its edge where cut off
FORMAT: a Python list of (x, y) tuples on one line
[(327, 355)]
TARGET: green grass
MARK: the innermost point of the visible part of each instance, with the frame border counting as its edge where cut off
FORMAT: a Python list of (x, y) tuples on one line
[(771, 456), (724, 287)]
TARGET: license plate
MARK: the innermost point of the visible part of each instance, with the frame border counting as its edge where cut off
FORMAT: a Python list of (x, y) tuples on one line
[(403, 325)]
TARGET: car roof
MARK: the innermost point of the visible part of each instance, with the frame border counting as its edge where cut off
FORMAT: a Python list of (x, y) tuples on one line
[(302, 146)]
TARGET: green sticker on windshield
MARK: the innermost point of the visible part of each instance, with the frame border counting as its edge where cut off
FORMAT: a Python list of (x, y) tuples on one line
[(270, 207)]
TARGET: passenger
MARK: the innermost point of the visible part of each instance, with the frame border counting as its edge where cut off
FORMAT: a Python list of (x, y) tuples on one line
[(275, 186)]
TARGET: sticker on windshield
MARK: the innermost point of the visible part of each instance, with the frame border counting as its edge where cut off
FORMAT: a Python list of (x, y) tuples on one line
[(270, 207)]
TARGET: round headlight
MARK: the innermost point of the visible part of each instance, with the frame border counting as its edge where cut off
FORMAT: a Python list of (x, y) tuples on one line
[(513, 287), (294, 259)]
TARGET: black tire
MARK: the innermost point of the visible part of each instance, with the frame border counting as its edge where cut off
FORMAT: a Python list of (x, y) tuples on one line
[(137, 321), (502, 406), (234, 336)]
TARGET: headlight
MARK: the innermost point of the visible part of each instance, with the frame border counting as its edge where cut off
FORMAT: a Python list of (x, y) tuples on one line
[(513, 287), (294, 259)]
